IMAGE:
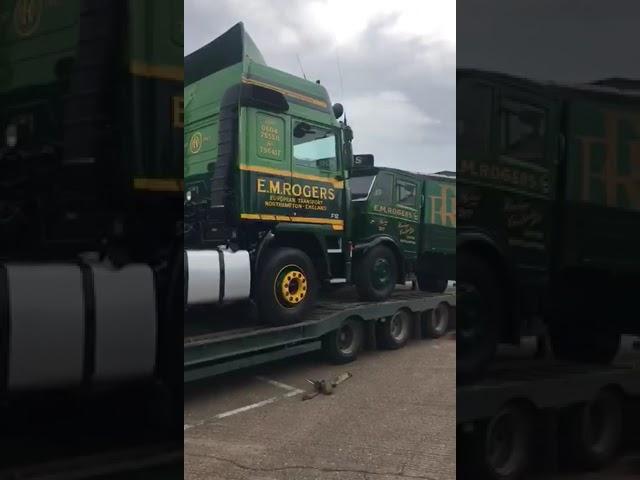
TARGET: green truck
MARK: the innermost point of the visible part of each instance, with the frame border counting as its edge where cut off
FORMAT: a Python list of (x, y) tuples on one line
[(549, 215), (91, 115), (269, 211)]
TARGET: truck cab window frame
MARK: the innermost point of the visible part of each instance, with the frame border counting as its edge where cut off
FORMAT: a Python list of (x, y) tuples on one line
[(406, 193), (318, 141), (522, 131)]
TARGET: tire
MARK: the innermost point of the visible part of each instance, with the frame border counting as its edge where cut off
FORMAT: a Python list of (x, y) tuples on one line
[(343, 345), (436, 322), (376, 274), (287, 286), (431, 284), (595, 430), (503, 445), (394, 333), (479, 316)]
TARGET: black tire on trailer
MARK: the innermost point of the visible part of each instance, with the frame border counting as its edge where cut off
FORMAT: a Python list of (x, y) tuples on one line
[(503, 445), (595, 430), (427, 283), (343, 345), (287, 286), (436, 321), (376, 274), (480, 316), (394, 332)]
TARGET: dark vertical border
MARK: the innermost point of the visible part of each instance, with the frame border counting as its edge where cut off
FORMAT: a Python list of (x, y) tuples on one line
[(5, 330)]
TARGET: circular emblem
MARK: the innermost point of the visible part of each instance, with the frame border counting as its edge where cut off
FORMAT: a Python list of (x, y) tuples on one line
[(26, 16), (195, 143)]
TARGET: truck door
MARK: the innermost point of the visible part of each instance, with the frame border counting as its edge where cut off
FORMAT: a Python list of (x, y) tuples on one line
[(265, 166), (526, 149), (317, 183)]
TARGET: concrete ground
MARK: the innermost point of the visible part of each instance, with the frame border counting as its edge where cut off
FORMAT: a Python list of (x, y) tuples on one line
[(394, 419)]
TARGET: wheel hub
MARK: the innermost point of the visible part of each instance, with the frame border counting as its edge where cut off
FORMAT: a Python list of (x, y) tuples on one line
[(291, 286), (381, 273)]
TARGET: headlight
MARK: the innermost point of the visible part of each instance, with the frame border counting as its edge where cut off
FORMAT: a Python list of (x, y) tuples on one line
[(188, 195), (11, 135)]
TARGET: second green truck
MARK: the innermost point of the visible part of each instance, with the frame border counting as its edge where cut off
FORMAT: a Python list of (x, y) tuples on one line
[(277, 205)]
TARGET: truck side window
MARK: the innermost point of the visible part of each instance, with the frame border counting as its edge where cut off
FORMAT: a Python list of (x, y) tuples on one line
[(522, 131), (314, 146), (406, 193), (382, 188)]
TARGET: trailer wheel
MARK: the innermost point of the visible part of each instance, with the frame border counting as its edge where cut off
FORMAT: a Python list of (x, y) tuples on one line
[(376, 274), (437, 321), (505, 444), (427, 283), (395, 331), (343, 345), (595, 430), (480, 316), (287, 287)]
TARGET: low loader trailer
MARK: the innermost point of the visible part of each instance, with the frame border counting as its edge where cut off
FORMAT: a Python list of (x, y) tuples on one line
[(340, 326), (544, 416)]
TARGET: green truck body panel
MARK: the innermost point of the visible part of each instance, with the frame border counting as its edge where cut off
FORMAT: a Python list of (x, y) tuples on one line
[(564, 199), (97, 88), (416, 210), (39, 45), (278, 180)]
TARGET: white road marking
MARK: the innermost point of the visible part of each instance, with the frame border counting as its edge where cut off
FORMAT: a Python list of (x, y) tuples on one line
[(275, 383), (291, 392)]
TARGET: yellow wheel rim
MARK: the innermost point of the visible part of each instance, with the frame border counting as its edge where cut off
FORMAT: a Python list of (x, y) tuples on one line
[(291, 286)]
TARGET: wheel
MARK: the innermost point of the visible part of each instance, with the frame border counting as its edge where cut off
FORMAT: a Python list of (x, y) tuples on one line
[(595, 430), (287, 286), (437, 321), (343, 345), (480, 316), (376, 274), (395, 332), (504, 444), (431, 284)]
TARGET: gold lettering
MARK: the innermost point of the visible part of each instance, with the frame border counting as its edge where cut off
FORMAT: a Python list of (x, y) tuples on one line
[(323, 193), (293, 190), (286, 189), (274, 186), (261, 182), (306, 191), (332, 194)]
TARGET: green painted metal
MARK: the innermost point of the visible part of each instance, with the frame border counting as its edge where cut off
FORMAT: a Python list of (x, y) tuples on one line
[(424, 227), (39, 44)]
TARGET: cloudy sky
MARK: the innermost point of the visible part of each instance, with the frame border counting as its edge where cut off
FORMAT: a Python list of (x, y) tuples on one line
[(558, 40), (397, 60)]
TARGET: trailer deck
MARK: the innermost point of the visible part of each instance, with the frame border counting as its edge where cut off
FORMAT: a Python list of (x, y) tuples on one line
[(210, 351)]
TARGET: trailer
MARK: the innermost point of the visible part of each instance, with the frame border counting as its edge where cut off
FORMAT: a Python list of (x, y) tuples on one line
[(563, 415), (339, 326)]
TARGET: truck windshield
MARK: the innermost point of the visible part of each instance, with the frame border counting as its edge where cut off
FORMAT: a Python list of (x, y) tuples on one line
[(360, 186)]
